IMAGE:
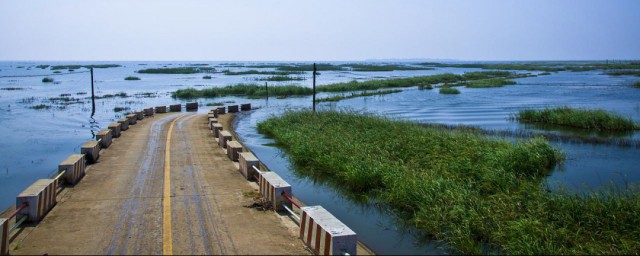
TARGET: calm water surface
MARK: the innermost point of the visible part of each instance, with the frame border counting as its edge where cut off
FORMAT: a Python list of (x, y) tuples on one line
[(36, 141)]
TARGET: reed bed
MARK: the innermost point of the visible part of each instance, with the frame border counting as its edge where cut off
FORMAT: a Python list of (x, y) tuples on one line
[(182, 70), (356, 95), (249, 90), (449, 90), (596, 119), (131, 78), (475, 193)]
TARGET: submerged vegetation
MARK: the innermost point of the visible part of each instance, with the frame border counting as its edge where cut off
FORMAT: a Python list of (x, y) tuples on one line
[(355, 95), (47, 80), (206, 77), (131, 78), (477, 194), (183, 70), (448, 90), (250, 90), (580, 118)]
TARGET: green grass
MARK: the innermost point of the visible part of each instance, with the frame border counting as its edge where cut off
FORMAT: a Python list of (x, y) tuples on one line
[(281, 78), (47, 80), (256, 72), (40, 106), (448, 90), (183, 70), (413, 81), (597, 119), (489, 83), (473, 192), (214, 104), (84, 66), (379, 68), (355, 95), (206, 77), (131, 78), (249, 90)]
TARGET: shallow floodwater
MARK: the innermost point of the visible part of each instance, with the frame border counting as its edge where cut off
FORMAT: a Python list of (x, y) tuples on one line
[(36, 140)]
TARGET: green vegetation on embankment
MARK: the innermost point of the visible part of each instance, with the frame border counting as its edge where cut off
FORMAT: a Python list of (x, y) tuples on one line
[(549, 66), (597, 119), (250, 90), (477, 194), (356, 95), (183, 70)]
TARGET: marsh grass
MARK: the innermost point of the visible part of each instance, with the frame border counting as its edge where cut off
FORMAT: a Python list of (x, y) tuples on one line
[(449, 90), (131, 78), (489, 83), (249, 90), (120, 109), (206, 77), (542, 66), (256, 72), (84, 66), (624, 73), (380, 68), (182, 70), (355, 95), (472, 192), (40, 106), (281, 78), (47, 80), (598, 119)]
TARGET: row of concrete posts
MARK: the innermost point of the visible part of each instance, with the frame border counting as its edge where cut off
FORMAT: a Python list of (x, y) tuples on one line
[(319, 229), (37, 200)]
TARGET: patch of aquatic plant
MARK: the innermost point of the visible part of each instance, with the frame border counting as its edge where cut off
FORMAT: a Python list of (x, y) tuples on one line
[(12, 88), (488, 83), (84, 66), (47, 80), (65, 94), (183, 70), (42, 66), (624, 73), (131, 78), (412, 81), (249, 90), (596, 119), (281, 78), (470, 191), (544, 74), (40, 106), (206, 77), (637, 84), (120, 109), (256, 72), (355, 95), (106, 96), (57, 72), (549, 66), (81, 93), (449, 90), (64, 99), (145, 95), (378, 68), (309, 67)]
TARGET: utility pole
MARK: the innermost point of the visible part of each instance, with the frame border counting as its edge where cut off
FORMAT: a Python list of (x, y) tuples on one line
[(93, 96), (314, 87)]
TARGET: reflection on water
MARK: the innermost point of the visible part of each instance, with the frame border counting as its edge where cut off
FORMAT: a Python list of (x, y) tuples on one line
[(39, 139)]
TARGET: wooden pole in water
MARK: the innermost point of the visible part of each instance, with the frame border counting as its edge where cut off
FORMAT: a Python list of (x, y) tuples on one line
[(93, 96), (266, 88), (314, 87)]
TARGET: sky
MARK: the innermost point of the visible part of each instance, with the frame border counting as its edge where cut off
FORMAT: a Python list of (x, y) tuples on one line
[(327, 30)]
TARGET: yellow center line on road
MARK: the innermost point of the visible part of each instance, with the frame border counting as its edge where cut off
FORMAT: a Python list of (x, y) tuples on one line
[(167, 239)]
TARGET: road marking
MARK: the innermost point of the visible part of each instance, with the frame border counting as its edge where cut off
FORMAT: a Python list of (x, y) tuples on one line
[(167, 239)]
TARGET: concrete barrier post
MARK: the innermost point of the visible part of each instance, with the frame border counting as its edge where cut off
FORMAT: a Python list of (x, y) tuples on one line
[(124, 124), (148, 111), (92, 150), (210, 115), (105, 135), (175, 108), (133, 119), (233, 148), (324, 233), (271, 188), (245, 107), (217, 128), (223, 138), (246, 161), (115, 129), (221, 111), (4, 237), (161, 109), (192, 106), (74, 167), (41, 197), (212, 121), (140, 115), (233, 108)]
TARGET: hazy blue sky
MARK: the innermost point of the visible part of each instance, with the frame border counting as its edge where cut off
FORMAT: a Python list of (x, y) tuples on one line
[(319, 30)]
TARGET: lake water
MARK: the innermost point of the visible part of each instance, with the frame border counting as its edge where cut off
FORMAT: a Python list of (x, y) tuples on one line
[(37, 140)]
